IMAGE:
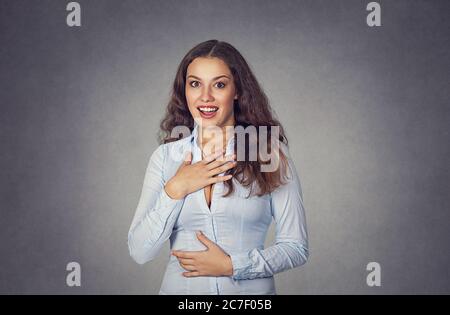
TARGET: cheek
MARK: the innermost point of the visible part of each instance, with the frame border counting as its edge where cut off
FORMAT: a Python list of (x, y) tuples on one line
[(194, 112), (227, 109), (190, 99), (227, 101), (227, 104)]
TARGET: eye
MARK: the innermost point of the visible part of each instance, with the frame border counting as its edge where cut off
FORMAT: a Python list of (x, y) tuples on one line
[(190, 83), (223, 84)]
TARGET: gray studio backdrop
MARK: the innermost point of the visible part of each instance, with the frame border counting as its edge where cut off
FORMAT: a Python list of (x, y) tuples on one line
[(366, 111)]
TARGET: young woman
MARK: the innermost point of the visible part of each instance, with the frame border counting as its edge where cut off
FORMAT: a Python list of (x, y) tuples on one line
[(214, 205)]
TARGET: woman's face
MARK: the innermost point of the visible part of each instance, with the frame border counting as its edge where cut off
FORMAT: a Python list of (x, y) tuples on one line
[(210, 92)]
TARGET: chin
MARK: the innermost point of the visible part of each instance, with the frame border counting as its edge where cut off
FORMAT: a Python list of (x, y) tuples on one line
[(208, 122)]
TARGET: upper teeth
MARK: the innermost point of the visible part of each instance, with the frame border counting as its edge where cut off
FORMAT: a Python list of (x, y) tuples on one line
[(208, 109)]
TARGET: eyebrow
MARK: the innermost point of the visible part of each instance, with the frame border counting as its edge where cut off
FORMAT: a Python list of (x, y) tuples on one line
[(220, 76)]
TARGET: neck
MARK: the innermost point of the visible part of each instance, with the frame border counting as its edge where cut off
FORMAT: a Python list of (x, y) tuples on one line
[(211, 139)]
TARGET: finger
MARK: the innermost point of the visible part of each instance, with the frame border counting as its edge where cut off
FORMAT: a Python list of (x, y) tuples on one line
[(210, 147), (188, 158), (184, 254), (212, 157), (206, 241), (192, 274), (217, 179), (222, 168), (188, 267), (219, 162), (186, 261)]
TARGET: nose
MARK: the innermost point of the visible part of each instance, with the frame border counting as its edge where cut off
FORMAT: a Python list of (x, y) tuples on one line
[(206, 95)]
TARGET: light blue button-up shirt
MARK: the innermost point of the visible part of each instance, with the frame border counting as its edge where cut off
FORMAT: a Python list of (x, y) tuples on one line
[(237, 224)]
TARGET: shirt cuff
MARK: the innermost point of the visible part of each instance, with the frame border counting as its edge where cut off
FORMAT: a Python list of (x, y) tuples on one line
[(242, 265)]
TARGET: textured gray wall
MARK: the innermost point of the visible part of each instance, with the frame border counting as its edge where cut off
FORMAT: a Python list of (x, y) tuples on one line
[(366, 111)]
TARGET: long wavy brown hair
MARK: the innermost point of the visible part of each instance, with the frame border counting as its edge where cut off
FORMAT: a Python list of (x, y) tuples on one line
[(250, 109)]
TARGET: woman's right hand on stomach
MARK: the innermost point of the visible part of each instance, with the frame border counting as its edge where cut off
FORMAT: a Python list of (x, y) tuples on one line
[(192, 177)]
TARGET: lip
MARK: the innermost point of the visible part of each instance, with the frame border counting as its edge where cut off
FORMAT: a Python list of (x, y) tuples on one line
[(207, 115)]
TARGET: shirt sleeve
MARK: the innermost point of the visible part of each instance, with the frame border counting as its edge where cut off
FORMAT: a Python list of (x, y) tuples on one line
[(156, 212), (291, 238)]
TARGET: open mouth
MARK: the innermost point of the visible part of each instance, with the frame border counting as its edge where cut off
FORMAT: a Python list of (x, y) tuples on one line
[(208, 109)]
